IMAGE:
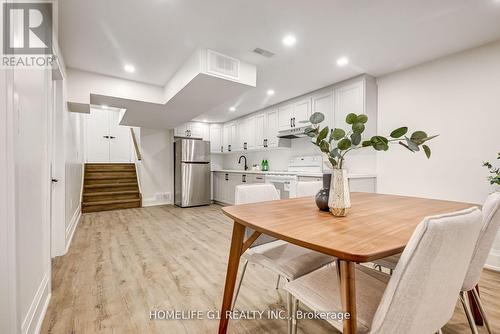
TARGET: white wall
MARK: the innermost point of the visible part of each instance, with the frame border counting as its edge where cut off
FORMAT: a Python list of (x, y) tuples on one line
[(157, 166), (82, 83), (32, 199), (74, 148), (457, 97)]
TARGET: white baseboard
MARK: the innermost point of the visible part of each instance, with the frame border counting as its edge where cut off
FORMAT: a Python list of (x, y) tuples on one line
[(493, 262), (33, 320), (151, 201), (70, 230)]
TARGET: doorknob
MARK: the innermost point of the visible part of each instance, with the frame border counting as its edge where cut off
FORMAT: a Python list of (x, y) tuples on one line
[(55, 180), (112, 137), (107, 137)]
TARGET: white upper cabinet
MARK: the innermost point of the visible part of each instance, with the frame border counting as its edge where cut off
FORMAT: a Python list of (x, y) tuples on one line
[(272, 128), (295, 114), (301, 112), (323, 102), (259, 130), (229, 137), (285, 116), (357, 96), (194, 130), (246, 135), (216, 138)]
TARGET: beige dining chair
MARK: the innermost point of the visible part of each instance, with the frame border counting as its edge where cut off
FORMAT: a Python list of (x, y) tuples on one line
[(491, 224), (308, 188), (287, 260), (420, 297)]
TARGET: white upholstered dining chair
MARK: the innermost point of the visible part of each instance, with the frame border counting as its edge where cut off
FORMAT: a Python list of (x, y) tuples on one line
[(287, 260), (308, 188), (490, 226), (420, 297)]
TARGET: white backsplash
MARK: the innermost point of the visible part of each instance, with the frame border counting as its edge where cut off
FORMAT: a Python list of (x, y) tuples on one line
[(362, 161)]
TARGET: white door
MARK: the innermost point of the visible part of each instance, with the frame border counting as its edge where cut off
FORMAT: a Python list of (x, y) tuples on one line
[(301, 113), (272, 128), (348, 99), (120, 139), (259, 130), (215, 138), (323, 103), (97, 136), (107, 140), (285, 115)]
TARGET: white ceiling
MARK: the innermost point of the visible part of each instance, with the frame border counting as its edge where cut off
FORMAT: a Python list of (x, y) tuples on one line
[(379, 37)]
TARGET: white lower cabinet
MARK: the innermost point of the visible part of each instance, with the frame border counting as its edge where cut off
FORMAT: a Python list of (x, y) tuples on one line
[(224, 184)]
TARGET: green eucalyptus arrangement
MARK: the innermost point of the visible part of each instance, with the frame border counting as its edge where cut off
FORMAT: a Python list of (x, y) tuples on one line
[(495, 177), (336, 143)]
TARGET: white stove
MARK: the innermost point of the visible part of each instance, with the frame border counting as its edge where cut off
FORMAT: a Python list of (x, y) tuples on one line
[(286, 184)]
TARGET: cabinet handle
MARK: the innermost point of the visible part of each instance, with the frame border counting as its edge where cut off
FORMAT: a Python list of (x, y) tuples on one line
[(229, 148), (291, 122), (112, 137), (226, 177), (222, 149), (107, 137), (264, 143), (259, 178), (245, 146), (243, 178)]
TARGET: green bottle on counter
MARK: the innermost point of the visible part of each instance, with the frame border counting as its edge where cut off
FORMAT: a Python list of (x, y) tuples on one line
[(265, 165)]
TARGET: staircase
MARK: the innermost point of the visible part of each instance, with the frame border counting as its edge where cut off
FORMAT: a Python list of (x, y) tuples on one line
[(110, 186)]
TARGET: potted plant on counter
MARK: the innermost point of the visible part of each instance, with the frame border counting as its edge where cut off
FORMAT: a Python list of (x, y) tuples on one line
[(337, 143), (494, 178)]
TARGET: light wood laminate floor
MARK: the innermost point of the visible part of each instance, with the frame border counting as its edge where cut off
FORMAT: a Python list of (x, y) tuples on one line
[(123, 264)]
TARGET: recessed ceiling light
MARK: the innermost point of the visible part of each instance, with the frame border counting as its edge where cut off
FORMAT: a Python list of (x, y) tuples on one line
[(232, 109), (289, 40), (270, 92), (342, 61), (129, 68)]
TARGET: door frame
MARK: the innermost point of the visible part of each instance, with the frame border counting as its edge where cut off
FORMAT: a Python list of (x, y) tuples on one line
[(8, 257)]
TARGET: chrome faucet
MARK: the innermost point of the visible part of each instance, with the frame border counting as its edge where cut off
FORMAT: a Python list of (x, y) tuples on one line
[(239, 161)]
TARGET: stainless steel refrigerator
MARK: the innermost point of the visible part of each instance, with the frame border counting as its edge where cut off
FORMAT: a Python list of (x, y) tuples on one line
[(192, 172)]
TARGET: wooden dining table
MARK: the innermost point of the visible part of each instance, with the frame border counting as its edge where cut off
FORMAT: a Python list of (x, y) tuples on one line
[(376, 226)]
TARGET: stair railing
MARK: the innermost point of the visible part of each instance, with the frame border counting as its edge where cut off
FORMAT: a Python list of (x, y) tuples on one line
[(136, 145)]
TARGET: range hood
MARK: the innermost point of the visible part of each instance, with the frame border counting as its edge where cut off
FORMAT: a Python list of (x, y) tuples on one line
[(293, 133)]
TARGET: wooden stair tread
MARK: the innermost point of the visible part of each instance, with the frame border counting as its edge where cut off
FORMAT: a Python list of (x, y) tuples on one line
[(108, 193), (110, 185), (116, 201)]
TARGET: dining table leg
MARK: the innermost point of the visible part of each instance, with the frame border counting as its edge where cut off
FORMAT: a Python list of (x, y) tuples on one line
[(232, 271), (346, 272)]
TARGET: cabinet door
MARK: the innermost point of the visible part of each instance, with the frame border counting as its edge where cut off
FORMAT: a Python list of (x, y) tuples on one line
[(241, 127), (250, 132), (301, 112), (217, 186), (348, 99), (120, 142), (180, 131), (323, 103), (198, 130), (285, 114), (234, 180), (233, 138), (259, 130), (272, 128), (215, 138)]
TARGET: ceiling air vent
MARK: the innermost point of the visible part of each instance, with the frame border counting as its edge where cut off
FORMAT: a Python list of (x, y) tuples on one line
[(223, 65), (263, 52)]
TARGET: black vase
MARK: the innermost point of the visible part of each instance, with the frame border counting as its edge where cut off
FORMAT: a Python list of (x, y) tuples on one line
[(323, 194)]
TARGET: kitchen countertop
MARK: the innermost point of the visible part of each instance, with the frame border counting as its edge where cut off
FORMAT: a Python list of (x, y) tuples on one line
[(351, 176)]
